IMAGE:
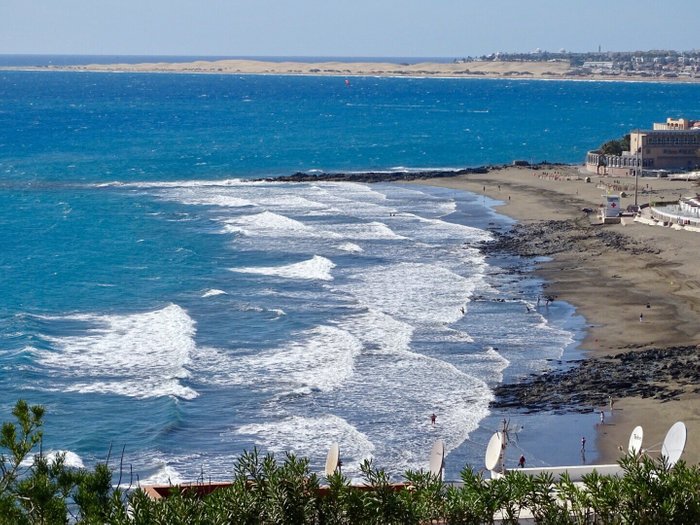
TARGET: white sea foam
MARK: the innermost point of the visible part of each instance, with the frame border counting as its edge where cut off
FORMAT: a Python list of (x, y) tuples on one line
[(450, 335), (397, 389), (290, 201), (447, 207), (269, 224), (398, 393), (164, 475), (138, 355), (415, 292), (379, 332), (490, 364), (357, 191), (225, 201), (373, 230), (213, 292), (315, 268), (71, 459), (172, 184), (437, 230), (361, 372), (353, 199), (350, 247), (296, 434), (322, 358), (422, 202)]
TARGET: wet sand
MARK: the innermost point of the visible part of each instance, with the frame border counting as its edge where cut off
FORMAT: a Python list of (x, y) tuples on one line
[(611, 288)]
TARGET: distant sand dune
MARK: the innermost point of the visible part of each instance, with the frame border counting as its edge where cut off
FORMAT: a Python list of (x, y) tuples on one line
[(488, 69), (491, 69)]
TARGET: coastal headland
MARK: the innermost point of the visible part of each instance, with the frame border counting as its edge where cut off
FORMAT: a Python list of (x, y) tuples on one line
[(474, 69)]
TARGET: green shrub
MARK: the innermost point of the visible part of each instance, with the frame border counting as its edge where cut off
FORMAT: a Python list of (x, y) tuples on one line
[(265, 491)]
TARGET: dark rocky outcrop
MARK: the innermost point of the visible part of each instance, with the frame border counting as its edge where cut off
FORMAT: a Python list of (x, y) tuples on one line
[(661, 373), (395, 176), (377, 176), (551, 237)]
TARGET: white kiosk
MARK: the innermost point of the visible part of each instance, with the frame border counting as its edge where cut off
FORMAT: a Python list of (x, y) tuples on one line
[(611, 209)]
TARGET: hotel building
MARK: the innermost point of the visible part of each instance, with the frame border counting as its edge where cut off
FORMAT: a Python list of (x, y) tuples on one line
[(673, 145)]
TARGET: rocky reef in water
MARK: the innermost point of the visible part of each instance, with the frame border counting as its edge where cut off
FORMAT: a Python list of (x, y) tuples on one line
[(400, 175), (376, 176)]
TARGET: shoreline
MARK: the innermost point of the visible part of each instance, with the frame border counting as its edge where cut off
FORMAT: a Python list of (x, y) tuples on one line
[(609, 274), (469, 70)]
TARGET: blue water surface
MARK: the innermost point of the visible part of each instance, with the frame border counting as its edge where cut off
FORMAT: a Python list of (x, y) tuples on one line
[(154, 297), (102, 126)]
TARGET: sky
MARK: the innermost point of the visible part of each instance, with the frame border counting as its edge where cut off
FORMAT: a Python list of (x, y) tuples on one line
[(371, 28)]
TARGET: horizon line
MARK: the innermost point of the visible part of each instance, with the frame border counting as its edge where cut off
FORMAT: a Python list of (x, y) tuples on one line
[(534, 53)]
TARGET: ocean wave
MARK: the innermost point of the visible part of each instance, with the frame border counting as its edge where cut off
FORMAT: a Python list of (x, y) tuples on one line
[(269, 224), (164, 475), (213, 292), (318, 268), (393, 396), (322, 358), (350, 247), (489, 365), (379, 332), (71, 459), (373, 230), (290, 201), (419, 293), (312, 437), (395, 389), (185, 183), (137, 355), (436, 230), (224, 201)]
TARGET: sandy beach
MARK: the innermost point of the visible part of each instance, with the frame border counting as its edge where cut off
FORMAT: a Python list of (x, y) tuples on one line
[(611, 287), (477, 69)]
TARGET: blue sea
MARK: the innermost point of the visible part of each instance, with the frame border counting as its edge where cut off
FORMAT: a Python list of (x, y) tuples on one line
[(158, 296)]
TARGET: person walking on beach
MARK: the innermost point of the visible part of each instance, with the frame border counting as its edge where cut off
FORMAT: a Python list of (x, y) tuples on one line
[(583, 444), (521, 462), (602, 417), (611, 402), (641, 317), (433, 418)]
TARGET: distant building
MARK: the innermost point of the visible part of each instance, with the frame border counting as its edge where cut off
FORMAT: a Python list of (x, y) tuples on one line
[(672, 145), (599, 65), (679, 123)]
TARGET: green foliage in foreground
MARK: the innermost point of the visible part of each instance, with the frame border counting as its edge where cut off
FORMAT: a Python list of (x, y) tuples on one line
[(267, 491)]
